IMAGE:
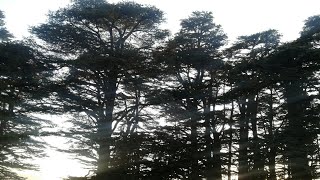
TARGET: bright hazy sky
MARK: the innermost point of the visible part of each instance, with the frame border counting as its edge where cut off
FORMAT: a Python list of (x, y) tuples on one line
[(237, 17)]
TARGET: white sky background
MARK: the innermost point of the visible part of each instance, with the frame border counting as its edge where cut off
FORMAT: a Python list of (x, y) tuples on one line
[(237, 17)]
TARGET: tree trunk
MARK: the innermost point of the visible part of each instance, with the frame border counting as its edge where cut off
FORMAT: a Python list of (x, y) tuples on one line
[(216, 171), (230, 141), (297, 135), (104, 131), (192, 108), (208, 140), (272, 162), (243, 142), (104, 142), (258, 161), (273, 151)]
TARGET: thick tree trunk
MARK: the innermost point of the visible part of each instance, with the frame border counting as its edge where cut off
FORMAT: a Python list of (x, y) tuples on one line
[(216, 171), (194, 154), (214, 158), (5, 114), (243, 142), (104, 142), (104, 131), (297, 135), (230, 140), (258, 161), (272, 162), (213, 146), (273, 151), (3, 125), (208, 140), (3, 120), (192, 108)]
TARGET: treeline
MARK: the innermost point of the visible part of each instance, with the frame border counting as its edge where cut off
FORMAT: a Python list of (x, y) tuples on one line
[(150, 105)]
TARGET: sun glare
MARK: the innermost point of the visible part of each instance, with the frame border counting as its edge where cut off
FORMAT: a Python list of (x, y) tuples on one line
[(56, 166)]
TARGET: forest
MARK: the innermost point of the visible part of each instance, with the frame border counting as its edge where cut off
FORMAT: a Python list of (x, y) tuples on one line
[(149, 104)]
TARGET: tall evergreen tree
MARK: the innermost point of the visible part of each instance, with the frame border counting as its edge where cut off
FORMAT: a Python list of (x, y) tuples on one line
[(246, 53), (193, 59), (108, 42), (296, 64)]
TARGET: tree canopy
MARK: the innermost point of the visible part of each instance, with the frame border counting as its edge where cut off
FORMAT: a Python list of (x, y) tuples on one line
[(146, 104)]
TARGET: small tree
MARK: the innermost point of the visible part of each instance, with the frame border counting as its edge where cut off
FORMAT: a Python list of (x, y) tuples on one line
[(4, 34)]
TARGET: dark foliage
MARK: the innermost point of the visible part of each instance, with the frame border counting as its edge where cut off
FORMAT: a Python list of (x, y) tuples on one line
[(150, 106)]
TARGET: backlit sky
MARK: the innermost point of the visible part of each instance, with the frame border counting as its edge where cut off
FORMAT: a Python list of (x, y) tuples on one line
[(237, 17)]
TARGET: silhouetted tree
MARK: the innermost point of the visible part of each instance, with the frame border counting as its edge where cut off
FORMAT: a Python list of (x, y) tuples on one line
[(22, 72), (108, 41), (4, 34), (185, 110), (22, 79), (192, 58), (296, 64), (246, 53)]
